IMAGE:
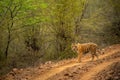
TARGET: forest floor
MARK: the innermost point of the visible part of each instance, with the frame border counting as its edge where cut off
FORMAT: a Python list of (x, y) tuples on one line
[(107, 67)]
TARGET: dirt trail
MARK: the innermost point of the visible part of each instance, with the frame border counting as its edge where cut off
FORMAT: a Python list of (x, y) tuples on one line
[(95, 70), (68, 69), (54, 71)]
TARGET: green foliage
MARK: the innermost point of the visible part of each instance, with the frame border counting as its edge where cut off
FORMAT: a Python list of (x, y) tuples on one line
[(64, 14)]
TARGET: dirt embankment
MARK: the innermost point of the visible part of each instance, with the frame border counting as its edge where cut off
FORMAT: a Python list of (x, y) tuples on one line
[(107, 67)]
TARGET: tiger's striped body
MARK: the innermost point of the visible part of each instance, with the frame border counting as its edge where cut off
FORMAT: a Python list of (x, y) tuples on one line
[(85, 48)]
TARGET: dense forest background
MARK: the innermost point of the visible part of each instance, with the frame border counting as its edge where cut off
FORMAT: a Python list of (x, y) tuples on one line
[(35, 31)]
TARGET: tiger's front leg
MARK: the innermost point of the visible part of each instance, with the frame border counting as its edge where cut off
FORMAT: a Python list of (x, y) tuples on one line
[(92, 57), (80, 56)]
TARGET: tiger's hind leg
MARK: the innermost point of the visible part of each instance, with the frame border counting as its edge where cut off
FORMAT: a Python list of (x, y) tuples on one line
[(96, 56)]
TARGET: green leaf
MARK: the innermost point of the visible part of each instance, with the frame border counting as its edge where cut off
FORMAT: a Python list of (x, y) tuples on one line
[(43, 5)]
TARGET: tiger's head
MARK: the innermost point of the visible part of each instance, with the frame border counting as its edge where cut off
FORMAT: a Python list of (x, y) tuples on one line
[(74, 47)]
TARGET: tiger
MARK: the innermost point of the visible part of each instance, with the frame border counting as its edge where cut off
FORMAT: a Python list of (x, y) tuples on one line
[(85, 48)]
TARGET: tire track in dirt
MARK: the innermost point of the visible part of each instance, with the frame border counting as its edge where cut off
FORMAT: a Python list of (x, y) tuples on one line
[(54, 71), (93, 71)]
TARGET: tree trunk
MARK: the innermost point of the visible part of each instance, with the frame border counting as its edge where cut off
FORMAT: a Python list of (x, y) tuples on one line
[(78, 21), (9, 39), (8, 43)]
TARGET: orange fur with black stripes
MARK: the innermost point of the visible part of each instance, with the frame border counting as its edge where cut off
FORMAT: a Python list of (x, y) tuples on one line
[(85, 48)]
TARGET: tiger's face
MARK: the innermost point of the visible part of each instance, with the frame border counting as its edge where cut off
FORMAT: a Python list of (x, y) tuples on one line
[(74, 47)]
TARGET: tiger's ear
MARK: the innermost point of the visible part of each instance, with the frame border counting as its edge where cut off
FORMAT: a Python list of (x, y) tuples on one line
[(77, 43)]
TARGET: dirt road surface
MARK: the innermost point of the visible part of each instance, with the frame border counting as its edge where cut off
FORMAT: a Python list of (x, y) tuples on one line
[(71, 70)]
